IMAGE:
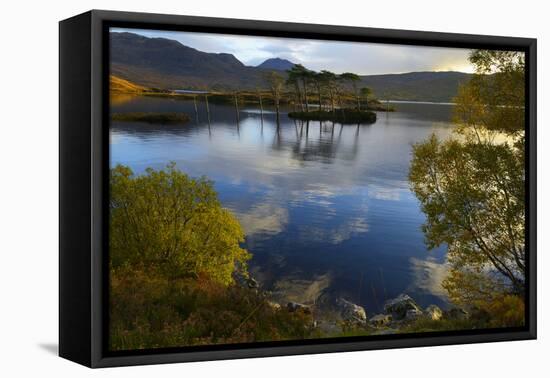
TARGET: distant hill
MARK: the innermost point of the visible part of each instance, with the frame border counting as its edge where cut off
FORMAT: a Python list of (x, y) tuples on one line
[(277, 64), (417, 86), (161, 63)]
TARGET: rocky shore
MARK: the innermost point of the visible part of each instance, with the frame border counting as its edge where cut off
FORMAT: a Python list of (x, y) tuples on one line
[(398, 313), (334, 315)]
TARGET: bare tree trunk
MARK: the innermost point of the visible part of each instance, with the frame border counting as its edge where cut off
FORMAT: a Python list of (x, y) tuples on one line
[(320, 99), (304, 82), (261, 109), (299, 93), (237, 106), (261, 106), (196, 109), (278, 110), (207, 108)]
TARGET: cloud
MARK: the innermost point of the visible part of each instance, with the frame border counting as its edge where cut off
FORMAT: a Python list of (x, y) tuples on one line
[(263, 219), (297, 289), (428, 276)]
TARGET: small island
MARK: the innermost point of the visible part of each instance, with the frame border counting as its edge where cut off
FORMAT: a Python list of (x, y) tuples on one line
[(150, 117), (343, 116)]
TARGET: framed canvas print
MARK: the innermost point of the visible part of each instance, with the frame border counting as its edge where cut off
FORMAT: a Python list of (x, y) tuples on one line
[(233, 188)]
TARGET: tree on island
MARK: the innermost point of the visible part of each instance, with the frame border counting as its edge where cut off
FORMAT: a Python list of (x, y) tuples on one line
[(276, 84), (300, 77), (330, 80), (319, 82), (352, 79), (365, 93)]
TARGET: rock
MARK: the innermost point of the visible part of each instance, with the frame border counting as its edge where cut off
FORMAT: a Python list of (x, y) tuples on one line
[(399, 306), (351, 311), (433, 312), (252, 283), (243, 279), (380, 320), (456, 314), (413, 314), (294, 306)]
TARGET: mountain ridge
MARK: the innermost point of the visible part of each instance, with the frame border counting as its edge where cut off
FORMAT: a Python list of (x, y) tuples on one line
[(167, 64), (277, 64)]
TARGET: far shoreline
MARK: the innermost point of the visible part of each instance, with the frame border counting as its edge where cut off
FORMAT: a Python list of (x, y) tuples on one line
[(418, 102)]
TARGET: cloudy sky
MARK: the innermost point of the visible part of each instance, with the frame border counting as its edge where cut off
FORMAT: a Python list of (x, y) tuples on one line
[(358, 57)]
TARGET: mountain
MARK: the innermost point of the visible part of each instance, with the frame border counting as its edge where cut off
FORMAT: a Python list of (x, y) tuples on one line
[(416, 86), (167, 64), (276, 64)]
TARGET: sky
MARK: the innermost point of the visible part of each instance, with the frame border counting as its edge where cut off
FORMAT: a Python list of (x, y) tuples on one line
[(358, 57)]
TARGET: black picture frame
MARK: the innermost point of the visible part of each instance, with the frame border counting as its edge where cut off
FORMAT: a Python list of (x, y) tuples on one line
[(84, 165)]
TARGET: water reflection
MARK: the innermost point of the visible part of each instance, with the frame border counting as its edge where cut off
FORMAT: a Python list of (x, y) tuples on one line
[(326, 207)]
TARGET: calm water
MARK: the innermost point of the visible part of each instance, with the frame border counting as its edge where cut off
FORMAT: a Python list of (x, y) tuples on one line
[(326, 208)]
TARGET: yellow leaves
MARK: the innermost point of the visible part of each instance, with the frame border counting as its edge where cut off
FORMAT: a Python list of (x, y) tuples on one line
[(173, 223), (494, 99), (504, 311)]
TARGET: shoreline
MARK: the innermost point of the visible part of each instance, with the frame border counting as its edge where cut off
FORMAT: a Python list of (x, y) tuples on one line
[(421, 102)]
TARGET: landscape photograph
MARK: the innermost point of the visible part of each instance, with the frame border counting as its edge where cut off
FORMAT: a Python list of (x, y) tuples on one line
[(269, 189)]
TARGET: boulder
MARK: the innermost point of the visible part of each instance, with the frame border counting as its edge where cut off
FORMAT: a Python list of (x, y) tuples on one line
[(243, 279), (433, 312), (399, 306), (350, 311), (274, 305), (456, 314), (252, 283), (295, 306), (413, 314), (380, 320)]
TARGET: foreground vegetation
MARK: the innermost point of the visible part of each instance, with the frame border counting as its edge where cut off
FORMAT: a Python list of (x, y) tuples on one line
[(174, 253), (148, 311)]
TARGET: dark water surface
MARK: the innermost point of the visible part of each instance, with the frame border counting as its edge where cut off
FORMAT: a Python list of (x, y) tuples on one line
[(326, 208)]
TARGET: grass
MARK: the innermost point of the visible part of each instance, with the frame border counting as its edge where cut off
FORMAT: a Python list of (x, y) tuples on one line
[(422, 325), (151, 117), (119, 85), (350, 116), (154, 312)]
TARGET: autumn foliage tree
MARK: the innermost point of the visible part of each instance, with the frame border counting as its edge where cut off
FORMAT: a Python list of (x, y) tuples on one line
[(472, 187), (171, 225)]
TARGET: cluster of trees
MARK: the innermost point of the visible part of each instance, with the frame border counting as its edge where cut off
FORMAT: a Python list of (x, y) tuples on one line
[(328, 88), (472, 187)]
